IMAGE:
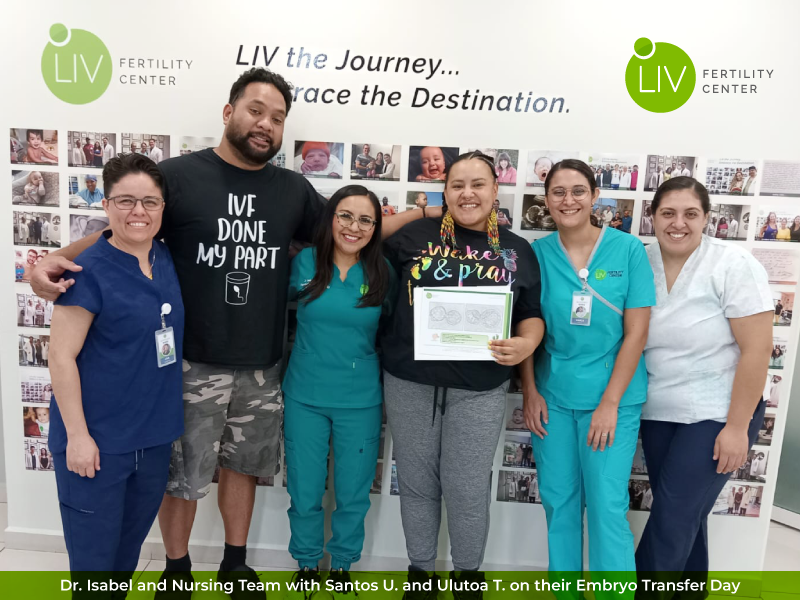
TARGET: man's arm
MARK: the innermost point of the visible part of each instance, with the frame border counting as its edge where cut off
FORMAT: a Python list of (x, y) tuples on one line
[(392, 224), (47, 281)]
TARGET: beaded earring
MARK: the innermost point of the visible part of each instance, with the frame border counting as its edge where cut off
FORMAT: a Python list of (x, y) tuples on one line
[(493, 233), (448, 230)]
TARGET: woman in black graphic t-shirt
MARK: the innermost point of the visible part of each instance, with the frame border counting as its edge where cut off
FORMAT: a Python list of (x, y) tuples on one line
[(446, 416)]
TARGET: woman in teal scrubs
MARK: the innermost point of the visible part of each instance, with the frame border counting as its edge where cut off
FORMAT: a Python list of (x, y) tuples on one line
[(332, 386), (584, 398)]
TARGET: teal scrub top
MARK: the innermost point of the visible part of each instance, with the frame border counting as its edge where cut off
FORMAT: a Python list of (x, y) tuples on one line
[(575, 363), (333, 361)]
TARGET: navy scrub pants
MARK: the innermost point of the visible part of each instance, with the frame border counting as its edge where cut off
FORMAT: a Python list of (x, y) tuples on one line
[(685, 484), (106, 519)]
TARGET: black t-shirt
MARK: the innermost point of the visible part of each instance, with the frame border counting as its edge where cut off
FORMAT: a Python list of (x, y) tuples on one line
[(229, 230), (475, 264)]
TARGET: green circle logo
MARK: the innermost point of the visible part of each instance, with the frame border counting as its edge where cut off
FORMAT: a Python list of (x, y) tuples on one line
[(600, 274), (659, 77), (76, 65)]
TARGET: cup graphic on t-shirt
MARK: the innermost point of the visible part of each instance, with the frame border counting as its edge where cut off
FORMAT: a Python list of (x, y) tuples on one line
[(237, 285)]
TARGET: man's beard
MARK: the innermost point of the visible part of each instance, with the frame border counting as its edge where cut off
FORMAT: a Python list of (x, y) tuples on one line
[(240, 142)]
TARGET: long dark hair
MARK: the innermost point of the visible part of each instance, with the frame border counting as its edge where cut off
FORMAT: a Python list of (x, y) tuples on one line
[(376, 272)]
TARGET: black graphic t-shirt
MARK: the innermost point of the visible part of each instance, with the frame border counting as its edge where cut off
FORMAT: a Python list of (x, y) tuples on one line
[(228, 230), (420, 259)]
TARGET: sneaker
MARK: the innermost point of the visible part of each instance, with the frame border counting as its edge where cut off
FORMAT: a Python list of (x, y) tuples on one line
[(469, 586), (303, 582), (417, 578), (342, 585), (173, 590), (240, 577)]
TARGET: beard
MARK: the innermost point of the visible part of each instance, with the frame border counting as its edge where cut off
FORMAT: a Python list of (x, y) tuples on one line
[(240, 141)]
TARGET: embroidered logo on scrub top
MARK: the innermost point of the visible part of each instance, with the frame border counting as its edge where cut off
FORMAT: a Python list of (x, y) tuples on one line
[(615, 273), (599, 274), (364, 289)]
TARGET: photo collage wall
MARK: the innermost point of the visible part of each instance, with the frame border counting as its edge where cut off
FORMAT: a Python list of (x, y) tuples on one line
[(57, 192)]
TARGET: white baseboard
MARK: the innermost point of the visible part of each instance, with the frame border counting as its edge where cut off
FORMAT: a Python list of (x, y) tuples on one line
[(786, 517)]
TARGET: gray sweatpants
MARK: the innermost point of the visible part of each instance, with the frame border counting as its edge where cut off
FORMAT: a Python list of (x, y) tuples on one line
[(446, 455)]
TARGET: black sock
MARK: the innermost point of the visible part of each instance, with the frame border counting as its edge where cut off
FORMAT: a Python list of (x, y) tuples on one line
[(235, 556), (179, 564)]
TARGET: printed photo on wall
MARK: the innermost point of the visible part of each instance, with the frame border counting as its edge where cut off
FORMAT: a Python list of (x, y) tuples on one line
[(319, 159), (91, 148), (382, 442), (504, 205), (739, 501), (535, 214), (781, 265), (640, 495), (781, 178), (664, 168), (430, 163), (518, 451), (155, 147), (766, 431), (394, 488), (728, 221), (35, 385), (37, 455), (25, 260), (772, 390), (778, 223), (34, 350), (420, 199), (34, 146), (614, 213), (37, 229), (515, 417), (375, 161), (732, 176), (784, 305), (377, 483), (82, 225), (279, 160), (506, 163), (189, 144), (778, 358), (35, 188), (639, 466), (390, 202), (754, 468), (540, 162), (33, 311), (86, 191), (614, 171), (36, 421), (518, 486)]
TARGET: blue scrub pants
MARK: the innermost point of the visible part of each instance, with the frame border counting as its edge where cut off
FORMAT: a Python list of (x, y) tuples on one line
[(685, 484), (572, 476), (106, 519), (356, 437)]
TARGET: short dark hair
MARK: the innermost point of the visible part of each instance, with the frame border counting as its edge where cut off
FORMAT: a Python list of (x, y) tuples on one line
[(753, 167), (129, 164), (682, 183), (40, 133), (261, 75), (575, 165)]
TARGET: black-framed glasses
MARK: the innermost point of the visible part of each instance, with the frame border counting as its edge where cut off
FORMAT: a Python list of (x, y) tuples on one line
[(364, 223), (149, 203)]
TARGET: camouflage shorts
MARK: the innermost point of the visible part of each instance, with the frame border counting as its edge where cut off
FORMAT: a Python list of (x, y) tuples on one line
[(233, 419)]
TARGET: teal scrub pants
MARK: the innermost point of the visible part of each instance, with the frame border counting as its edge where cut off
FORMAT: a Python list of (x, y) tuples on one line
[(356, 436), (572, 476)]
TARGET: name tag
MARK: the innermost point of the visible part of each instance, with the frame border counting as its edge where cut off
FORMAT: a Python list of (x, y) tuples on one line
[(581, 313), (165, 347)]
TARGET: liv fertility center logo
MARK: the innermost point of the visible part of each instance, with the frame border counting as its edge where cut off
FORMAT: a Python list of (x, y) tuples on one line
[(76, 65), (659, 79)]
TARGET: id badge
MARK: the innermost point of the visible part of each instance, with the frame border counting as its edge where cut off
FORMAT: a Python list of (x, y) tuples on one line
[(165, 347), (581, 313)]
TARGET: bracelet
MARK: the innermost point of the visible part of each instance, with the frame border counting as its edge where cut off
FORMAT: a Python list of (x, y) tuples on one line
[(424, 216)]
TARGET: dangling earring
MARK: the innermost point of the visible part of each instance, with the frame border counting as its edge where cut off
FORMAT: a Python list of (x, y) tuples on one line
[(448, 230), (493, 234)]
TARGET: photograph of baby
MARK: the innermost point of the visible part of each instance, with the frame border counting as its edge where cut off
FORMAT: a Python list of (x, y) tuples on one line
[(506, 163), (91, 149), (319, 159), (754, 468), (728, 221), (784, 305), (518, 451), (640, 495), (86, 191), (33, 311), (35, 385), (25, 260), (37, 455), (518, 486), (36, 421), (515, 420), (154, 147), (663, 168), (504, 205), (615, 172), (540, 162), (772, 390), (375, 161), (34, 187), (535, 214), (34, 350), (189, 144), (420, 199), (82, 225), (778, 356), (37, 229), (430, 163), (739, 501), (34, 146), (779, 223), (732, 176), (766, 431), (390, 204), (610, 212)]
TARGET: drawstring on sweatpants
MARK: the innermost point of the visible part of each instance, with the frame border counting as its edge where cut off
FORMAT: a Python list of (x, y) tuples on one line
[(136, 458), (436, 402)]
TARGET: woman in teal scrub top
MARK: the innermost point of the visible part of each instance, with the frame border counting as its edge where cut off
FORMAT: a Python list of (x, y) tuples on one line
[(332, 386), (584, 398)]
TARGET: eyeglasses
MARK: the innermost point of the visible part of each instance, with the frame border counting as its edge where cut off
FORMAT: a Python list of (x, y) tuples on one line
[(150, 203), (364, 223), (578, 193)]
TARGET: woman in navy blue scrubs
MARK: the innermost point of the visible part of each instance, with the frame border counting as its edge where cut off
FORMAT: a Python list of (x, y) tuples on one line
[(117, 403)]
